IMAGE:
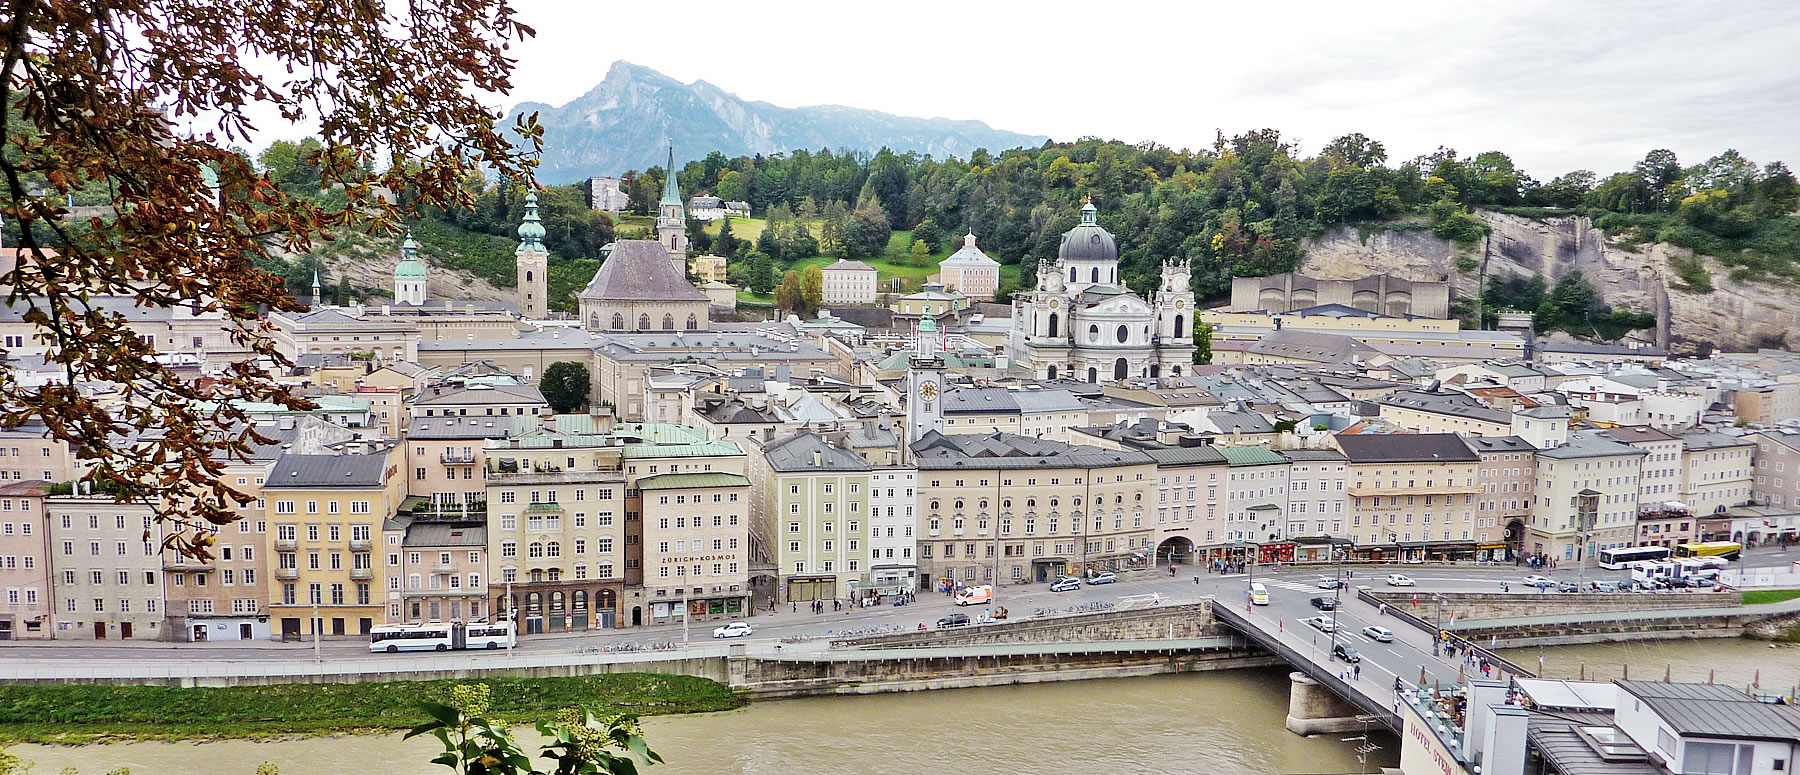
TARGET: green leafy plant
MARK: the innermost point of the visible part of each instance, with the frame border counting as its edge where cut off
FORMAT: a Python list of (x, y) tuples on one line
[(577, 742)]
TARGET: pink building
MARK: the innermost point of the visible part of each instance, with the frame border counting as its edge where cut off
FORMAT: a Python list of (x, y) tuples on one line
[(24, 562), (970, 272)]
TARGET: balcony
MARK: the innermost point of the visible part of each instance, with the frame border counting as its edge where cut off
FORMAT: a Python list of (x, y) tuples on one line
[(287, 544), (463, 458), (543, 507), (362, 574), (444, 570), (287, 574), (359, 544), (170, 564)]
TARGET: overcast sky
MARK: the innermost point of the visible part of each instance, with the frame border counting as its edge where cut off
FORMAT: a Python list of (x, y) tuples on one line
[(1558, 85)]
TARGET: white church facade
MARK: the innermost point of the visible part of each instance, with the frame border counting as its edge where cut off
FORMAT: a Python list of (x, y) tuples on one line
[(1081, 323)]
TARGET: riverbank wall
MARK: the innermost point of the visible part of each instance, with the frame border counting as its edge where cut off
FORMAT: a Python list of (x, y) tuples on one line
[(1466, 606)]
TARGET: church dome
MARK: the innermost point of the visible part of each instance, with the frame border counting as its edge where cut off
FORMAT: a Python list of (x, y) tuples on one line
[(1087, 241), (531, 230)]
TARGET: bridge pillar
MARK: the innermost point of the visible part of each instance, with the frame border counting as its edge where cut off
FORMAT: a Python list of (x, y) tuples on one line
[(1314, 709)]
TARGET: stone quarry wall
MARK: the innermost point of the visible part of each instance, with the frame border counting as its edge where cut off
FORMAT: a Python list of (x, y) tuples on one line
[(1735, 316)]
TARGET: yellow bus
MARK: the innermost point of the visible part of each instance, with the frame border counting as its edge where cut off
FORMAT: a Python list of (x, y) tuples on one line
[(1726, 549)]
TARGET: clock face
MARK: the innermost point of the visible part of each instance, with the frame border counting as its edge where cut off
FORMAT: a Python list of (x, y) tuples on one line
[(1053, 304), (1179, 303), (928, 390)]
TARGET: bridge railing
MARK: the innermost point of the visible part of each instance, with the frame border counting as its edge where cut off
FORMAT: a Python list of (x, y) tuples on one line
[(1414, 621), (1317, 672)]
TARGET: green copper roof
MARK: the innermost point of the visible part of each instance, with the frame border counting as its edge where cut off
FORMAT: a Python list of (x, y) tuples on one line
[(683, 481), (531, 231), (410, 266), (1088, 212), (671, 191)]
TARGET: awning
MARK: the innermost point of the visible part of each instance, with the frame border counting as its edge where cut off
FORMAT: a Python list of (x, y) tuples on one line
[(1493, 546)]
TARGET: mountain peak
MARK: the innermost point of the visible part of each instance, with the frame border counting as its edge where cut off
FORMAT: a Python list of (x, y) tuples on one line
[(624, 123)]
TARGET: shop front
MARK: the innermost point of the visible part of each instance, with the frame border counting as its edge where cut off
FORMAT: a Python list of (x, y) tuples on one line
[(805, 589), (710, 609)]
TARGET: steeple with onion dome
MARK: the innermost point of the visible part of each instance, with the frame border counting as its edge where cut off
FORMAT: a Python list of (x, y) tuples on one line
[(409, 275), (533, 260)]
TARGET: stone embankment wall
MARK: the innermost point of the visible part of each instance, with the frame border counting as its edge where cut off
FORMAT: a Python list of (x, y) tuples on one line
[(1188, 620), (1735, 315), (771, 678), (1475, 606)]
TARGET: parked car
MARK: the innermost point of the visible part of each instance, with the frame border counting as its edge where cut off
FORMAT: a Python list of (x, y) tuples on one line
[(1065, 585), (1322, 623), (1540, 582), (1103, 578), (1378, 634), (1397, 580), (1324, 603), (732, 630), (1602, 586), (954, 620), (1567, 586), (1330, 582), (1344, 652)]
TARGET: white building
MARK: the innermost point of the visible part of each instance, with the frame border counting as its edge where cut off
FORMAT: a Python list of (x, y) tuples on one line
[(1716, 471), (1587, 497), (106, 577), (409, 275), (893, 545), (1081, 323), (849, 282), (1318, 485)]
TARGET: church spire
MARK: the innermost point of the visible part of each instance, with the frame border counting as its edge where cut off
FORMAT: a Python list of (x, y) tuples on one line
[(671, 190), (1088, 210), (531, 230)]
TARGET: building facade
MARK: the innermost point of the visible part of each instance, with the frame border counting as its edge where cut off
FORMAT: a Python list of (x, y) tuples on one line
[(106, 576), (1080, 323), (1587, 498), (25, 562), (849, 282), (970, 272)]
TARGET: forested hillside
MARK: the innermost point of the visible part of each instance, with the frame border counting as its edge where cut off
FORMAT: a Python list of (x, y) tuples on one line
[(1246, 206)]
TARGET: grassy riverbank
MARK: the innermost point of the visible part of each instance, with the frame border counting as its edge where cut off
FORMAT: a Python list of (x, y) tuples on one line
[(1755, 596), (85, 713)]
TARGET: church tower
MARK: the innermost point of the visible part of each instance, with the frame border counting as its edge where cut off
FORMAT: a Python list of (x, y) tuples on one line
[(1174, 303), (671, 218), (533, 259), (925, 384), (409, 275), (318, 296)]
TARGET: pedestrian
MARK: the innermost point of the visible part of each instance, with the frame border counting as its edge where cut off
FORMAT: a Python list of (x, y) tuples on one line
[(1196, 579), (796, 608)]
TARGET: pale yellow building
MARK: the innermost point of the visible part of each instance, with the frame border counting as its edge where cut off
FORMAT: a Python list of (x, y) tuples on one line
[(1413, 495), (1586, 498), (325, 512)]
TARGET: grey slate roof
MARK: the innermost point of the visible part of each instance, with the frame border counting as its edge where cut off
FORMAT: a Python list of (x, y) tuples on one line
[(1312, 346), (794, 454), (1407, 448), (442, 428), (1313, 455), (445, 534), (1714, 710), (1456, 404), (1637, 433), (1034, 401), (1499, 444), (1589, 444), (479, 395), (980, 400), (640, 270), (936, 451), (360, 471), (1186, 456)]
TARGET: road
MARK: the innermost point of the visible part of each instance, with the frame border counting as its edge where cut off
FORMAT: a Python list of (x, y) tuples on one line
[(1290, 588)]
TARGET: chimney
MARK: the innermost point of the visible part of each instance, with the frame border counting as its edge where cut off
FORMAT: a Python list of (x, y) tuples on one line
[(818, 458)]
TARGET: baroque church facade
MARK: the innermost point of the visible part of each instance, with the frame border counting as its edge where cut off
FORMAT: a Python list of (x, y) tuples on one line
[(1080, 323)]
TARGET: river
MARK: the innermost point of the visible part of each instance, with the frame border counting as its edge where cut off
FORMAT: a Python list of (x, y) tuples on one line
[(1735, 661), (1224, 722)]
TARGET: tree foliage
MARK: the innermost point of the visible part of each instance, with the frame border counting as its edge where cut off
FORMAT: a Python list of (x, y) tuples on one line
[(97, 95), (575, 743), (566, 386)]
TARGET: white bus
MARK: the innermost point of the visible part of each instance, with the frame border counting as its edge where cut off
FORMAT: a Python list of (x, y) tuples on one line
[(1665, 572), (440, 636), (1620, 558)]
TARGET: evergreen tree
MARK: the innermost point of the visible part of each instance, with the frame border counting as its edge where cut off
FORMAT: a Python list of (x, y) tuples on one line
[(727, 245), (565, 386)]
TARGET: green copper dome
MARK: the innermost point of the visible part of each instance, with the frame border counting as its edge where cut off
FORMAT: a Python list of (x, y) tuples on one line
[(410, 267), (531, 231)]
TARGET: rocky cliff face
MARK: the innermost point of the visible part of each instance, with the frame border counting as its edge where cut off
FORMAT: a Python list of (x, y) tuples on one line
[(1734, 316)]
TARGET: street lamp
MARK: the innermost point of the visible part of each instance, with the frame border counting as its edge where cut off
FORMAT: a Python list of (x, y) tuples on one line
[(512, 620)]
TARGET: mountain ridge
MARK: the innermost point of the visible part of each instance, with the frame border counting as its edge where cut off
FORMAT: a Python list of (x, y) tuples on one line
[(625, 121)]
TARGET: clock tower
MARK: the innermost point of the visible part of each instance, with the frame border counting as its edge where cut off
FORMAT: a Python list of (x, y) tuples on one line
[(925, 384)]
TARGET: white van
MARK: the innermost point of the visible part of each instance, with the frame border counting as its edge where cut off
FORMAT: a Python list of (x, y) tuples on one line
[(1259, 594), (975, 595)]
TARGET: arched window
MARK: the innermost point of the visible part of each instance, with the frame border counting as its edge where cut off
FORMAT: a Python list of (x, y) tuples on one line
[(668, 322), (1054, 322), (581, 600), (1124, 334), (1006, 503), (1093, 333), (618, 322), (1094, 275), (556, 600), (594, 320), (1120, 368), (958, 504), (1093, 374), (1052, 372), (1180, 333), (644, 322), (537, 550), (1071, 274), (693, 323), (1115, 275), (1174, 371), (983, 504), (528, 275), (1031, 504), (553, 549)]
